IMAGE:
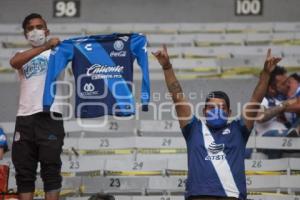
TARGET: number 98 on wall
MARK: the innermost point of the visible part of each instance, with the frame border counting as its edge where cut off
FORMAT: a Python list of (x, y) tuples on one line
[(66, 8)]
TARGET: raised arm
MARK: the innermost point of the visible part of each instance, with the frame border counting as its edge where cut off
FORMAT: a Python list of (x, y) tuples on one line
[(182, 106), (269, 113), (253, 106), (18, 60)]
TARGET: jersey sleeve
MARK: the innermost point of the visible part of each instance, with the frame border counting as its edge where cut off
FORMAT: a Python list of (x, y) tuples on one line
[(243, 129), (186, 131), (139, 50), (58, 60)]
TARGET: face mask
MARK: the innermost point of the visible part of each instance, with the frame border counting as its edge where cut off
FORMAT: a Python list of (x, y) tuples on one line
[(216, 118), (36, 37)]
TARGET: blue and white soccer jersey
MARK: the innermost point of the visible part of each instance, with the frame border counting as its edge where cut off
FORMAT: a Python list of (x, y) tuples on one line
[(216, 159), (103, 72)]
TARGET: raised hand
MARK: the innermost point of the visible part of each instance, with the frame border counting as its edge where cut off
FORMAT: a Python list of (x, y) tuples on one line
[(163, 58), (270, 62), (52, 42)]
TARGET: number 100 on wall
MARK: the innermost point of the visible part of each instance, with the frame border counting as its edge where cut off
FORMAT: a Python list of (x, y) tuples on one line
[(248, 7)]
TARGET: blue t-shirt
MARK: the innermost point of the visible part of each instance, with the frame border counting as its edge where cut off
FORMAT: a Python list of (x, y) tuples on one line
[(103, 70), (216, 159)]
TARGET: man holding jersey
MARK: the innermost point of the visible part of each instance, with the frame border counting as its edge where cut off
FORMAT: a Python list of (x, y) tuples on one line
[(39, 135)]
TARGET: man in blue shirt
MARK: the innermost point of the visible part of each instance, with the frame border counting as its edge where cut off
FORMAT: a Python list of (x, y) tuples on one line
[(215, 148)]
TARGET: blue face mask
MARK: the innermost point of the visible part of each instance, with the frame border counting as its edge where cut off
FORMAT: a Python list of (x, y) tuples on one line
[(216, 118)]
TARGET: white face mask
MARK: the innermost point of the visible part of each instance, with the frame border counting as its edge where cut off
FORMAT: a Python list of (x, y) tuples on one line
[(36, 37)]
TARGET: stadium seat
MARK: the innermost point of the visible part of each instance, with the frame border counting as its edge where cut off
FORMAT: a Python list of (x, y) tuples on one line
[(258, 183), (70, 186), (286, 27), (166, 185), (258, 39), (290, 184), (207, 52), (294, 164), (283, 38), (239, 51), (205, 66), (202, 28), (82, 165), (219, 39), (104, 127), (11, 29), (67, 28), (277, 143), (114, 185), (267, 167), (177, 166), (264, 27), (159, 128), (135, 168), (291, 51), (271, 197)]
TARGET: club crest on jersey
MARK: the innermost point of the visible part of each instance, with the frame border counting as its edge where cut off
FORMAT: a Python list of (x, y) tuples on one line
[(35, 67), (118, 45)]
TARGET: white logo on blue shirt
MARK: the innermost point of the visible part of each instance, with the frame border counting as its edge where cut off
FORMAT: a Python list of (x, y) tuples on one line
[(226, 131), (216, 148), (118, 45), (35, 67), (89, 87), (215, 152)]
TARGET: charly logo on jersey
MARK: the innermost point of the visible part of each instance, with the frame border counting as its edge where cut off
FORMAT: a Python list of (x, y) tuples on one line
[(118, 46), (215, 152), (35, 67), (89, 90), (97, 71)]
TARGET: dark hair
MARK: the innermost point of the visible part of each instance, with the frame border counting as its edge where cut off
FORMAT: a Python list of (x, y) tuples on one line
[(295, 76), (100, 196), (279, 70), (30, 17), (219, 95)]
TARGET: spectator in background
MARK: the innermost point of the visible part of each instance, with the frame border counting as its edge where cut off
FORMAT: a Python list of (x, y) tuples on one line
[(293, 83), (271, 120), (3, 143)]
